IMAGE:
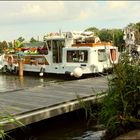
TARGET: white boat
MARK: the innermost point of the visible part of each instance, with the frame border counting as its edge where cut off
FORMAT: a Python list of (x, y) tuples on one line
[(66, 53)]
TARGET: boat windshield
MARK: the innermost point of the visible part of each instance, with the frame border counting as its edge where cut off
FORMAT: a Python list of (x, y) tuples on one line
[(57, 47), (77, 56)]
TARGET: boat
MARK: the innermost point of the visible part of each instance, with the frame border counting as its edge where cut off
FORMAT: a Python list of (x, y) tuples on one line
[(69, 53)]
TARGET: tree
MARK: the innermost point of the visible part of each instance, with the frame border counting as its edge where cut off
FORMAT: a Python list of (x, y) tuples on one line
[(106, 35), (32, 40), (21, 39), (118, 39), (4, 45), (93, 29), (1, 48), (10, 45), (137, 32)]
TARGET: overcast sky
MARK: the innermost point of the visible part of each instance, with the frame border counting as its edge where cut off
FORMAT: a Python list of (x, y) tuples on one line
[(35, 18)]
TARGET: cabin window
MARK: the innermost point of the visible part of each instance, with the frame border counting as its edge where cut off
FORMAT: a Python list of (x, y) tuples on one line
[(58, 43), (77, 56), (102, 55)]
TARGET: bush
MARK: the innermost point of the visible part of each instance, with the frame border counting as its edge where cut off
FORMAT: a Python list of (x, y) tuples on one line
[(121, 107)]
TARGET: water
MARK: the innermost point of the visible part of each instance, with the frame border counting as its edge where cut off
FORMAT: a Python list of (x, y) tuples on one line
[(13, 82), (70, 126), (10, 82)]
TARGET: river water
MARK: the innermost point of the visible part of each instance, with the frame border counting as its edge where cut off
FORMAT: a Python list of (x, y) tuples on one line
[(10, 82), (70, 126)]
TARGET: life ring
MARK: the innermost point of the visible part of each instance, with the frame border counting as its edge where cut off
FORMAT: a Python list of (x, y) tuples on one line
[(113, 55), (36, 62), (10, 60)]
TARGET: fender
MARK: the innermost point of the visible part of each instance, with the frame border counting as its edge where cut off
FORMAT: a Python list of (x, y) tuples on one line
[(42, 70)]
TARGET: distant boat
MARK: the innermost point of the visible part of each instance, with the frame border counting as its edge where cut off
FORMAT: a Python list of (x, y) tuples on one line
[(70, 53)]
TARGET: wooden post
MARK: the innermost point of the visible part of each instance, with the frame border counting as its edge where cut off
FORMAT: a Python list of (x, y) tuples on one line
[(20, 63)]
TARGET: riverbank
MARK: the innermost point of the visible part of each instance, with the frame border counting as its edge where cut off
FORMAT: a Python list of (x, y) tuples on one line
[(132, 135)]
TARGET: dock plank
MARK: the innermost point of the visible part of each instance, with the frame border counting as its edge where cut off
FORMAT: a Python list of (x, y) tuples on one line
[(38, 97)]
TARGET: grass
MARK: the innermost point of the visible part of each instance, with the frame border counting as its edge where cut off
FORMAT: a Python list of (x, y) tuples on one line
[(6, 117)]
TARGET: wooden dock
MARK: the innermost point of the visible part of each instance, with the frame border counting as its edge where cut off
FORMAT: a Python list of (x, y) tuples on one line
[(39, 103)]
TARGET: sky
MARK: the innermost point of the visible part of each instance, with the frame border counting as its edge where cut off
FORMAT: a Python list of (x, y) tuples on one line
[(36, 18)]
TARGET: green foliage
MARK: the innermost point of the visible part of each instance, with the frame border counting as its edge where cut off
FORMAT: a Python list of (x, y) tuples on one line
[(18, 44), (1, 48), (106, 35), (4, 46), (121, 105), (109, 35), (85, 106), (118, 39), (138, 26), (32, 40), (93, 29), (91, 109), (6, 117), (21, 39), (10, 45)]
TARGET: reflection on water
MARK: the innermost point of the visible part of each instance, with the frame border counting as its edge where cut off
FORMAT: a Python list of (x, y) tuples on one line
[(9, 82), (21, 81), (90, 135), (14, 82)]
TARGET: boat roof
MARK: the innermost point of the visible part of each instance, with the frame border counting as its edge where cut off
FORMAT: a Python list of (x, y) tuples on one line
[(53, 36)]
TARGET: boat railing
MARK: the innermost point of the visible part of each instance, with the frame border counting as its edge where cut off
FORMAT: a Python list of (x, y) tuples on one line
[(93, 44)]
